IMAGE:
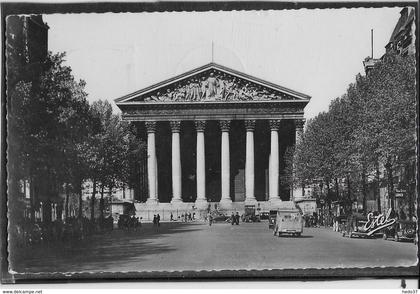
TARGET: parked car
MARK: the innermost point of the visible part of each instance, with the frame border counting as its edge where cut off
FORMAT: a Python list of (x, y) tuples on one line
[(272, 219), (353, 227), (288, 221), (401, 230), (220, 217), (123, 221), (250, 214), (342, 223), (264, 215)]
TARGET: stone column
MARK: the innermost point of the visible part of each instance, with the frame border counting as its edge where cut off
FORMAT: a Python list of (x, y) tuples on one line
[(151, 162), (249, 162), (201, 201), (225, 164), (274, 162), (176, 162), (156, 178)]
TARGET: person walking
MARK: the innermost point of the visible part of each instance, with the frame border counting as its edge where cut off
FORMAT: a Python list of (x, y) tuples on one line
[(154, 220), (232, 219), (158, 220), (237, 218), (210, 219), (172, 217)]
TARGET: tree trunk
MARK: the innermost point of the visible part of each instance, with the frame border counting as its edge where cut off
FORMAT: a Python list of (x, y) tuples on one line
[(364, 192), (66, 208), (349, 200), (101, 203), (328, 194), (32, 198), (389, 172), (378, 185), (110, 194), (328, 202), (79, 192), (337, 193), (92, 201)]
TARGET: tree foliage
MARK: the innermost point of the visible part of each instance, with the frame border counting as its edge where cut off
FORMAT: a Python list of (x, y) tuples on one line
[(58, 141), (374, 121)]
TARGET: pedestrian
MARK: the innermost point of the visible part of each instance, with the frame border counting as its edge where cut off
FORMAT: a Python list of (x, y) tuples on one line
[(158, 220), (185, 217), (193, 216), (172, 217), (232, 219), (237, 218), (154, 220), (210, 219), (337, 224)]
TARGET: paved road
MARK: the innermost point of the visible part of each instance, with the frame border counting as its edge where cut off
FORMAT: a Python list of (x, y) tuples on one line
[(195, 246)]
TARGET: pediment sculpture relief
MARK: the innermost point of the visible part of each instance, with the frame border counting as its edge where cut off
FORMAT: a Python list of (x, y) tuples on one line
[(214, 86)]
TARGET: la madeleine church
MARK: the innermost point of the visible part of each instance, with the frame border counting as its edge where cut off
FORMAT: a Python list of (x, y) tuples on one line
[(216, 139)]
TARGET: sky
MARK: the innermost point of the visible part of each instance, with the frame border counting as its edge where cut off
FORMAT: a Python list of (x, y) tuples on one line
[(316, 52)]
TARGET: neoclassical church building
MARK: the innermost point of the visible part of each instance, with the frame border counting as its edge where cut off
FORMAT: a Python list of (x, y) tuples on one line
[(216, 137)]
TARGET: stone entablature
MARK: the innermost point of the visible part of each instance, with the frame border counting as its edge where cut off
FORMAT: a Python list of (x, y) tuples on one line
[(213, 111)]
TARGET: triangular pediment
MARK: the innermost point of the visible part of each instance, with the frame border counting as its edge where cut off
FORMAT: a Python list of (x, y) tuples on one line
[(212, 83)]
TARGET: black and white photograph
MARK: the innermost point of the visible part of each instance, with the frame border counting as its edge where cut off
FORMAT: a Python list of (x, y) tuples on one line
[(211, 143)]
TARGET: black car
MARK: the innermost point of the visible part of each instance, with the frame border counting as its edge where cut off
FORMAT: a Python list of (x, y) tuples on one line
[(264, 215), (123, 220), (401, 230), (354, 227), (220, 218)]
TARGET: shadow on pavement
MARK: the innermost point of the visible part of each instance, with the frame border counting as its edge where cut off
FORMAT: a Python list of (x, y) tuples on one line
[(104, 249)]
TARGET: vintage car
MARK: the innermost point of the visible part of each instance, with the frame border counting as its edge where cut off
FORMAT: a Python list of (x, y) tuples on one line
[(250, 214), (401, 230), (354, 227), (272, 219), (220, 217), (123, 220), (264, 215), (288, 221), (342, 222)]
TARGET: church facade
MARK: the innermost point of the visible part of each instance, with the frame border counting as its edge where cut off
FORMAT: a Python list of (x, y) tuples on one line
[(215, 136)]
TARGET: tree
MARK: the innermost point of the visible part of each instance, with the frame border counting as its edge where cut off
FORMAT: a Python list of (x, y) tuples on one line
[(109, 149), (48, 124), (373, 123), (134, 149), (389, 120)]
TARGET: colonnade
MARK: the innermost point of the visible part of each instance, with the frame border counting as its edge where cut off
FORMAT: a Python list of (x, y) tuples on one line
[(225, 161)]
